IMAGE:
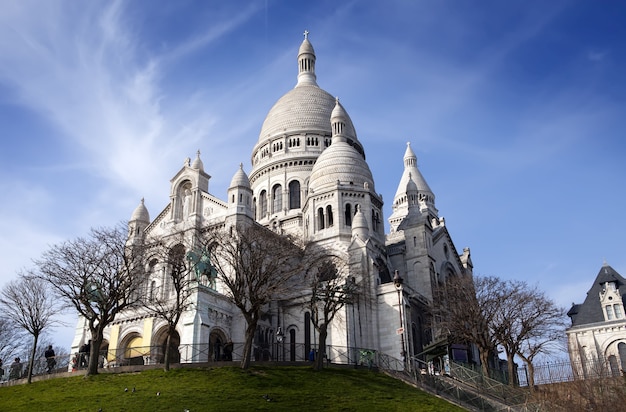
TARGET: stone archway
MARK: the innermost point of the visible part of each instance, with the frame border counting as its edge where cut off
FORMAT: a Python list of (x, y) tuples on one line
[(132, 350), (158, 350), (220, 348)]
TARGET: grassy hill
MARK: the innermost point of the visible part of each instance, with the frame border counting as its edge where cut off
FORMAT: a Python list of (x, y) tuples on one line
[(223, 389)]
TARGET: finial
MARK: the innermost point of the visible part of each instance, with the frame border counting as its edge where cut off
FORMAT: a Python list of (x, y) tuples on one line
[(241, 166), (306, 34), (198, 153), (142, 200)]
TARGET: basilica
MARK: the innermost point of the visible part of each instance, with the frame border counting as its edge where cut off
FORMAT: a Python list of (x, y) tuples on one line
[(308, 178)]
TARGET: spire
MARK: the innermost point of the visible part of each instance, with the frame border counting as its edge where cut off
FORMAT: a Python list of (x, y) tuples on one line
[(411, 172), (306, 62)]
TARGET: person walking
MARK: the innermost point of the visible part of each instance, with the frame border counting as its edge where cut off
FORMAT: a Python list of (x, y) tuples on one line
[(15, 372), (50, 358)]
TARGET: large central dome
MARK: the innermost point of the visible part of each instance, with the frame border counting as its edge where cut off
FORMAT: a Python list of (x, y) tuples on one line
[(297, 128), (304, 109)]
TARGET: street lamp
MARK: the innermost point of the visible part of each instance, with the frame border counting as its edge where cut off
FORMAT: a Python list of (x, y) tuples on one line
[(397, 282), (280, 336)]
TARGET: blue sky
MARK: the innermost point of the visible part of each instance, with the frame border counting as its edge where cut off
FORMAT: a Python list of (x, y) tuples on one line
[(515, 109)]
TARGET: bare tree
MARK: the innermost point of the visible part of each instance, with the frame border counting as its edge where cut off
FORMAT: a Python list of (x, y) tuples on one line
[(180, 267), (465, 307), (331, 289), (98, 276), (527, 323), (542, 327), (29, 304), (255, 265)]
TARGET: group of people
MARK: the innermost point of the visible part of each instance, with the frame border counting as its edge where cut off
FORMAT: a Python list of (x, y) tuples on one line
[(16, 369)]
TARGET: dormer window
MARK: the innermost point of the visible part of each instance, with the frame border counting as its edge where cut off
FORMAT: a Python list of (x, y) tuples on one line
[(611, 301)]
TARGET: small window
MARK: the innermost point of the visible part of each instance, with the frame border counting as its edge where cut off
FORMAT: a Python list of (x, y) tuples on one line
[(329, 215), (618, 311), (609, 312), (262, 204), (320, 218)]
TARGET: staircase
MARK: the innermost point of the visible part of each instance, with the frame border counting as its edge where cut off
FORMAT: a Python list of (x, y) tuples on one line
[(463, 386)]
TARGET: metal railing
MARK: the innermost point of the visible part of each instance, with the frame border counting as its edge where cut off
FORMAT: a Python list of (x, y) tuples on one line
[(567, 371), (231, 352)]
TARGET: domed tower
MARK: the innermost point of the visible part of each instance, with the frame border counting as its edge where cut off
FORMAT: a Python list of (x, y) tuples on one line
[(341, 184), (411, 184), (295, 132), (139, 221), (240, 194)]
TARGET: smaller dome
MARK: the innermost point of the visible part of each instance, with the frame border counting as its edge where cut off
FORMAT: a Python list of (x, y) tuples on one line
[(306, 47), (141, 213), (197, 163), (240, 179)]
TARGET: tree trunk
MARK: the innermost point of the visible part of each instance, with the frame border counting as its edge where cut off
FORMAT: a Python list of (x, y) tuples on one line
[(484, 362), (166, 361), (94, 352), (511, 369), (318, 363), (31, 361), (247, 347), (531, 376)]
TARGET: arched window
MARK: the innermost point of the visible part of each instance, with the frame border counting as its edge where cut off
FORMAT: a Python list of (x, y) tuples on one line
[(262, 204), (613, 365), (152, 293), (621, 350), (348, 214), (277, 199), (294, 194), (329, 216), (292, 345), (374, 220), (307, 335), (320, 218)]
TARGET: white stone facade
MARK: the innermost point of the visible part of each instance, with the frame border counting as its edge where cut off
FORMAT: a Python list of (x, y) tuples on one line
[(309, 178), (597, 338)]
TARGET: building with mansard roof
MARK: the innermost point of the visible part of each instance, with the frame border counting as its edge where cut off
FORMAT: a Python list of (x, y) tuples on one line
[(309, 178), (597, 337)]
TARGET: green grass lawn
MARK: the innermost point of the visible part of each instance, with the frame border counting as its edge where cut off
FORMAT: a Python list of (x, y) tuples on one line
[(223, 389)]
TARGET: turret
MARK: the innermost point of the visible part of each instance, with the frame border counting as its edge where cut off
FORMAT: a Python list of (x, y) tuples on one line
[(306, 62), (240, 194), (360, 228), (406, 198), (139, 221)]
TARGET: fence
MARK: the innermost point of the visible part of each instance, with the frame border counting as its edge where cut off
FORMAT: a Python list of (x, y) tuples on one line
[(567, 371), (202, 353)]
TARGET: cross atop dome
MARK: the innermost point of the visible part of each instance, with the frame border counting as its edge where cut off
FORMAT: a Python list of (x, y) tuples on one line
[(306, 34)]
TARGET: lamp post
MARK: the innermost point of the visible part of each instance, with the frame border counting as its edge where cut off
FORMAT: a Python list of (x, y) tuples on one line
[(397, 282), (280, 336)]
